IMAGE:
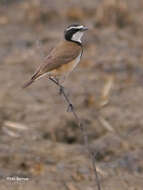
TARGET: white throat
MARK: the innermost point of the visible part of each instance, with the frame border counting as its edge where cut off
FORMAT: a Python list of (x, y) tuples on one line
[(77, 36)]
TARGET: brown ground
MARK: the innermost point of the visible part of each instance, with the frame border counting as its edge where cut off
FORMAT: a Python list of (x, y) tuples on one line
[(49, 150)]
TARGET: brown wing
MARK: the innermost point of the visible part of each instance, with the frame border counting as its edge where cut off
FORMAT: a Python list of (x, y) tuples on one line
[(64, 53)]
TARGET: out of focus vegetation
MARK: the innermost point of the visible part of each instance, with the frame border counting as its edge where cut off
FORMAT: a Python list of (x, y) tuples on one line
[(38, 138)]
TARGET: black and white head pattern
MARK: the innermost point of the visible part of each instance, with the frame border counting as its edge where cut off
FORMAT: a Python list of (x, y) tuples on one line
[(75, 32)]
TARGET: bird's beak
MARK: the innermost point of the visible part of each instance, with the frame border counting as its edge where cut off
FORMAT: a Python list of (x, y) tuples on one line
[(84, 28)]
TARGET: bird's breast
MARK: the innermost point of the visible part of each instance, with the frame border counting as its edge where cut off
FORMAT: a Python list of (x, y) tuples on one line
[(66, 68)]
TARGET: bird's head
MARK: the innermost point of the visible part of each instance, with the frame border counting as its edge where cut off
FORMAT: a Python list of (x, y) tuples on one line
[(75, 32)]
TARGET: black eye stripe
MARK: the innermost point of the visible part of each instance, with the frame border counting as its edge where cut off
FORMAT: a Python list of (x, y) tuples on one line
[(73, 30), (69, 33)]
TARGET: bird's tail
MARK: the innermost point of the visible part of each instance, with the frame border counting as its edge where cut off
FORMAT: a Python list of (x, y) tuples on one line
[(28, 83), (36, 76)]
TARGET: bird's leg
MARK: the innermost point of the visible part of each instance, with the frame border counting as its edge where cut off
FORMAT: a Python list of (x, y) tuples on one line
[(62, 92), (56, 81)]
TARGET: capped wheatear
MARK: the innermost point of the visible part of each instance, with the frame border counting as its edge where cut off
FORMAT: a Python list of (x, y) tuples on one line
[(64, 57)]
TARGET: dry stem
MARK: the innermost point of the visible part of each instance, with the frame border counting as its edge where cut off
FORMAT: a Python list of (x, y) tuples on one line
[(82, 128)]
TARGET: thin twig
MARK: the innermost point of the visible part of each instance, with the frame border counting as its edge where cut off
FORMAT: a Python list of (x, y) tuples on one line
[(82, 128)]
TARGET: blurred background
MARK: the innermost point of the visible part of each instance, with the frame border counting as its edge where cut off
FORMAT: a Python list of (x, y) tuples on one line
[(39, 140)]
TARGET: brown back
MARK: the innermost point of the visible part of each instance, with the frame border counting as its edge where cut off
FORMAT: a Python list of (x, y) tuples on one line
[(64, 53)]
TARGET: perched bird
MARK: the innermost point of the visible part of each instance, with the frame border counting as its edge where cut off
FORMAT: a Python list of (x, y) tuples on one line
[(64, 57)]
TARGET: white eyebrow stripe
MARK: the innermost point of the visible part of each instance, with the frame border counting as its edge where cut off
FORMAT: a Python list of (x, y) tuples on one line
[(75, 27)]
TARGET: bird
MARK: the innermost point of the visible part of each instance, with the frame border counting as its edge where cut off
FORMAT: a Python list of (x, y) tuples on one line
[(64, 57)]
